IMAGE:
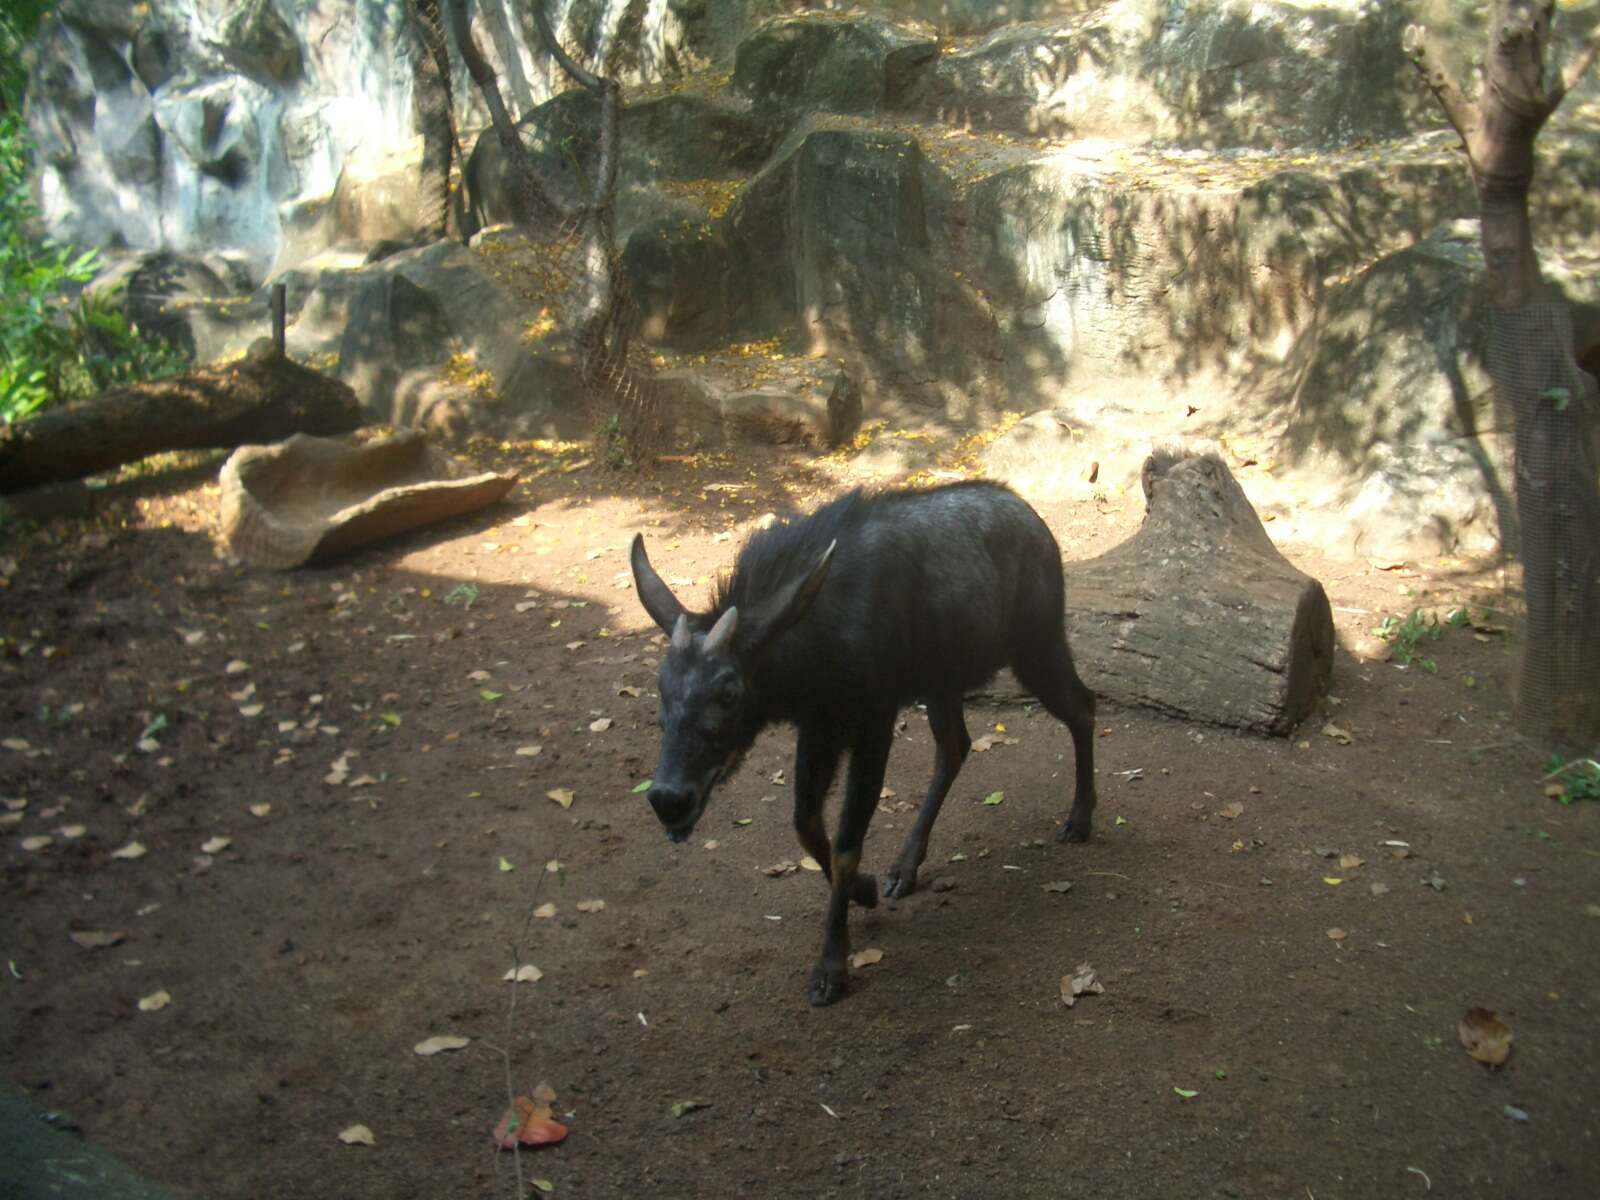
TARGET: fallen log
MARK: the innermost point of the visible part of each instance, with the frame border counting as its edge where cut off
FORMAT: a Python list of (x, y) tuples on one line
[(261, 398), (1197, 614)]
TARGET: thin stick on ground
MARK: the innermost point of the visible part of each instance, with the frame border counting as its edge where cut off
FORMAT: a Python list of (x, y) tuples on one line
[(511, 1021)]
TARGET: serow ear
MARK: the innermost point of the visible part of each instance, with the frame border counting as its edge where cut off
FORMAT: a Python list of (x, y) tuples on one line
[(779, 612), (654, 594)]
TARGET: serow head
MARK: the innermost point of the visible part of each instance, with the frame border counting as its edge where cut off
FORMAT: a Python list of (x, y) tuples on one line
[(709, 713)]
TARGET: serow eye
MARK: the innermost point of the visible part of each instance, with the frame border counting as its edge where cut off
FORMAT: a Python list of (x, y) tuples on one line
[(728, 696)]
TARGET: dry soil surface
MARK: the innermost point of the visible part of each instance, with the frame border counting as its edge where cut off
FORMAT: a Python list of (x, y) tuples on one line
[(340, 779)]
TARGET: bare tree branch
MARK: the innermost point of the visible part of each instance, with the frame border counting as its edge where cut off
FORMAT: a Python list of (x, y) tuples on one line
[(1460, 111), (1573, 75), (530, 191), (586, 79)]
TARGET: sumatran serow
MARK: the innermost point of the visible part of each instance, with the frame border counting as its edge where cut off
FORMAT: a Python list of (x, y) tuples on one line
[(834, 623)]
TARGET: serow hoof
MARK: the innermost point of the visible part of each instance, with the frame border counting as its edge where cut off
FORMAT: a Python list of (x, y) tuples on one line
[(1073, 831), (827, 985), (898, 884)]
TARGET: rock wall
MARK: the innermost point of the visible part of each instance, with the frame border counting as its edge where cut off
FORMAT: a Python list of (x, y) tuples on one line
[(199, 125)]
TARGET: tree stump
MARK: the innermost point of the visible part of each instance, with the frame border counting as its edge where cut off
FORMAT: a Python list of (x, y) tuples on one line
[(1197, 614), (261, 398)]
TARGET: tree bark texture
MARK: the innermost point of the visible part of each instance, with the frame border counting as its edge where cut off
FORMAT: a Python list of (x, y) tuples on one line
[(1197, 614), (261, 398), (430, 97), (1536, 376)]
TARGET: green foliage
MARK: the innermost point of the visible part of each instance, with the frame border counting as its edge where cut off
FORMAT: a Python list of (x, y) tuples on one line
[(1407, 636), (1567, 781), (52, 346)]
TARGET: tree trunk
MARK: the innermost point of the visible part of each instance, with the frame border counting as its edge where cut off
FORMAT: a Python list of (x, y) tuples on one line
[(430, 97), (262, 398), (1532, 363), (1197, 614)]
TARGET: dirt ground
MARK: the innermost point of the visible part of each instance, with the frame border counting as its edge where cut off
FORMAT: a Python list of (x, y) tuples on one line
[(1282, 980)]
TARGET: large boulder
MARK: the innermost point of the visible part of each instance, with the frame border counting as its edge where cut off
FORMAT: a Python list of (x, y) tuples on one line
[(818, 61), (1227, 73), (432, 339), (683, 137), (844, 240)]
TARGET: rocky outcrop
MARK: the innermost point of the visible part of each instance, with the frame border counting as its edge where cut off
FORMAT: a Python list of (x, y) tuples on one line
[(188, 126)]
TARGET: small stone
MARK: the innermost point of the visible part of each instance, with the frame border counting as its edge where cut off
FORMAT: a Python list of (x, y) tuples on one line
[(943, 884)]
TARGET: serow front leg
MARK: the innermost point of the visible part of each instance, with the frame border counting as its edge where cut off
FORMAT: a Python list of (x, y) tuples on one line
[(868, 758)]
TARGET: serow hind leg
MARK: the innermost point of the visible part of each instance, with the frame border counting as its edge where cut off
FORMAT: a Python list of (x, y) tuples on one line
[(952, 744)]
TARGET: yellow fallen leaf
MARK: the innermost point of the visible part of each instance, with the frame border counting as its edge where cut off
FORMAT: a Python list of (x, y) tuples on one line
[(1332, 880), (527, 973), (591, 906), (1486, 1037), (216, 845), (866, 958), (545, 911), (155, 1001), (131, 851), (810, 864), (32, 844), (260, 810), (357, 1135), (562, 796), (1337, 934)]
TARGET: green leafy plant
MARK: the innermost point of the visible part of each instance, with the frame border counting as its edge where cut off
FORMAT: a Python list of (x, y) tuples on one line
[(1568, 780), (56, 343), (1408, 635)]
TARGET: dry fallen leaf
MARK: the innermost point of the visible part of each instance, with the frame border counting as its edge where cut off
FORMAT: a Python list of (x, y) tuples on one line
[(591, 906), (1231, 812), (1486, 1037), (866, 958), (529, 751), (155, 1001), (527, 973), (1342, 736), (1080, 983), (1349, 862), (600, 725), (38, 842), (73, 832), (130, 851), (810, 864), (1060, 885), (357, 1135), (216, 845), (96, 939), (989, 740), (1337, 934), (260, 810), (545, 911), (528, 1122), (435, 1045), (786, 867), (562, 796)]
